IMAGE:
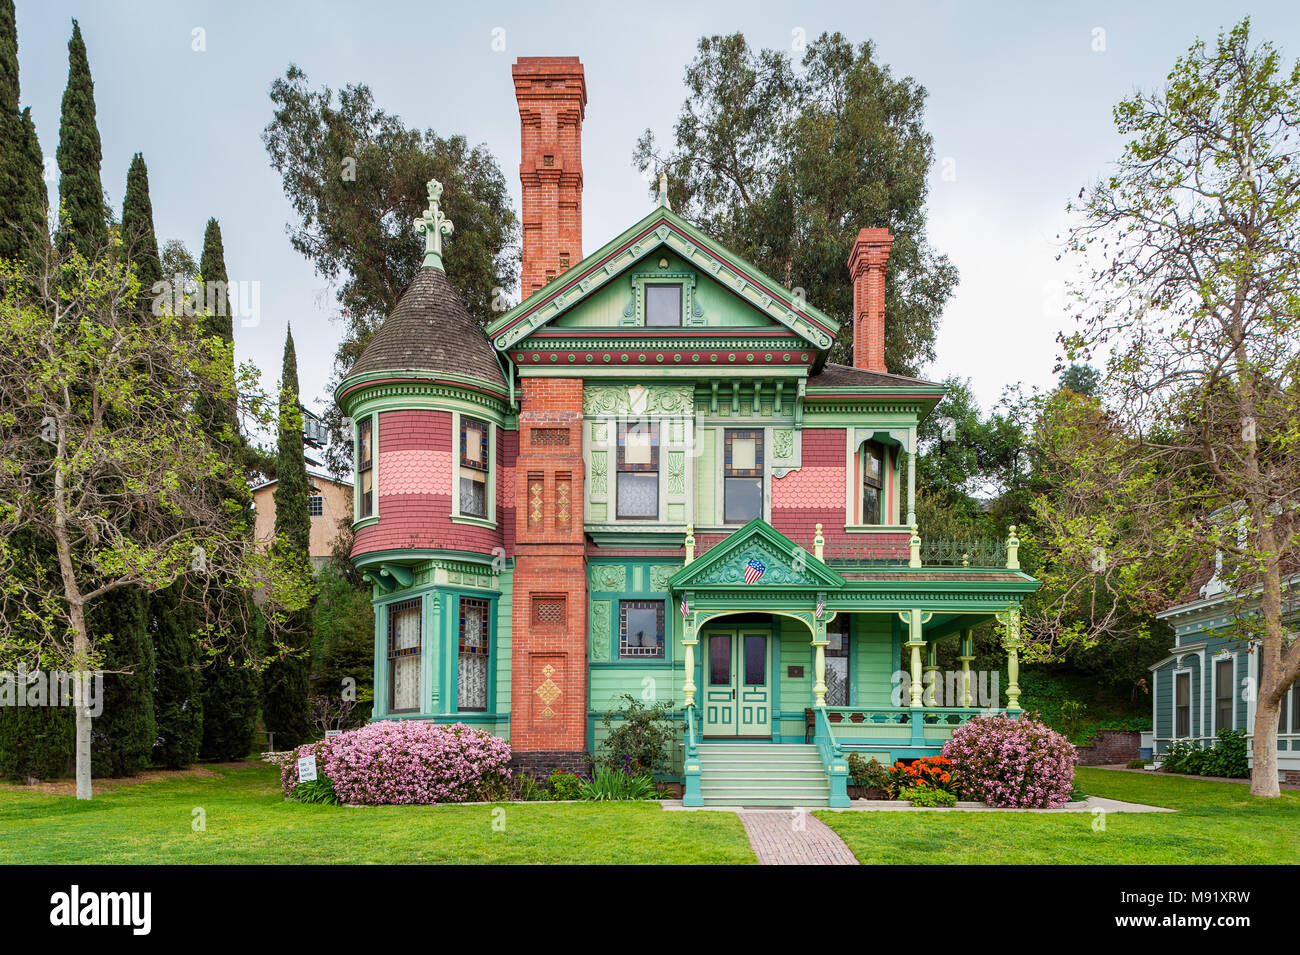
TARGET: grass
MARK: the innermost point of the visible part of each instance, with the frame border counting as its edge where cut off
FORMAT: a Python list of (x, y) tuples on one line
[(248, 822), (1216, 824)]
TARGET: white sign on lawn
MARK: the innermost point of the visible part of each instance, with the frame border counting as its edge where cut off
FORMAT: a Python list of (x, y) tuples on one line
[(307, 769)]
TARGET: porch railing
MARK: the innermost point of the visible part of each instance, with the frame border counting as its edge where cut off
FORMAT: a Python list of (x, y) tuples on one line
[(941, 715), (832, 756)]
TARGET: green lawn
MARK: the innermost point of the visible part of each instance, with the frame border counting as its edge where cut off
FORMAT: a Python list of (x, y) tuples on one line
[(1216, 823), (249, 822)]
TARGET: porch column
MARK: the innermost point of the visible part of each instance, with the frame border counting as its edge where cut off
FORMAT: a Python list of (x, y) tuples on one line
[(688, 657), (1011, 641), (967, 654), (932, 666), (915, 640), (819, 662)]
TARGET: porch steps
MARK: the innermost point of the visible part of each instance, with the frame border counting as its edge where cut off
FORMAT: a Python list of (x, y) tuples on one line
[(762, 775)]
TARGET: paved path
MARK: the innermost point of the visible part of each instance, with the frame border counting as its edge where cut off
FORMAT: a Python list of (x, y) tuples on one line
[(793, 837)]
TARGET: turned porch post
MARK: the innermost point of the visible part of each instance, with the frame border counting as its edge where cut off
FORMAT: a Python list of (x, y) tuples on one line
[(688, 657), (915, 640), (932, 666), (967, 654), (819, 662), (1011, 641)]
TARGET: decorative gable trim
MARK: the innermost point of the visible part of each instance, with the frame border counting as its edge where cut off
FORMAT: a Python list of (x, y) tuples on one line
[(786, 565), (664, 228)]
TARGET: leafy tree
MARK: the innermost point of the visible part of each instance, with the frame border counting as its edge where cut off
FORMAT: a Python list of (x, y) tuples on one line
[(105, 457), (785, 167), (83, 215), (285, 686), (1082, 380), (1193, 304), (356, 177)]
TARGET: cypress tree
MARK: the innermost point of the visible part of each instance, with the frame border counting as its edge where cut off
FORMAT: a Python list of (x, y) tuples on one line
[(83, 220), (124, 733), (137, 226), (285, 685), (22, 167), (230, 684), (178, 700)]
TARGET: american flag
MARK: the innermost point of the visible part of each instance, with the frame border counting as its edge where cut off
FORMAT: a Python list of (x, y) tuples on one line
[(685, 609), (821, 606), (754, 570)]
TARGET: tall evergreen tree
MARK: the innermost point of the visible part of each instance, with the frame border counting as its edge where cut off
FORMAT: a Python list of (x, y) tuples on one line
[(137, 226), (125, 731), (83, 219), (285, 684), (230, 684), (178, 700), (22, 167)]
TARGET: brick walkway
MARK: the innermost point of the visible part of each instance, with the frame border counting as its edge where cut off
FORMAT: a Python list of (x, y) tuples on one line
[(793, 837)]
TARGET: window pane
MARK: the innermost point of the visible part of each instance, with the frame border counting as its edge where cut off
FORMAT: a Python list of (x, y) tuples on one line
[(316, 505), (663, 305), (638, 494), (755, 660), (404, 656), (719, 660), (473, 493), (641, 628), (870, 505), (742, 500), (473, 443), (363, 443), (366, 502), (744, 453), (637, 447)]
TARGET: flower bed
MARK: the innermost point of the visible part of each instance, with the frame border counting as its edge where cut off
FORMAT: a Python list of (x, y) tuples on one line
[(404, 762)]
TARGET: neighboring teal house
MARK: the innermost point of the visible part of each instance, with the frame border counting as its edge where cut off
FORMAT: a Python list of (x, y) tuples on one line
[(1205, 684)]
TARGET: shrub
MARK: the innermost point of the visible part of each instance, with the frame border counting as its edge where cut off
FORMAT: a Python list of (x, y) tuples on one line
[(928, 796), (1136, 764), (1226, 758), (36, 742), (524, 788), (637, 737), (1017, 764), (563, 786), (609, 785), (404, 762), (320, 791), (1183, 756), (868, 773)]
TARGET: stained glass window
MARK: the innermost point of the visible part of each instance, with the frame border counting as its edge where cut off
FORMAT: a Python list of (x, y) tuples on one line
[(638, 471), (742, 480), (404, 657), (473, 467), (472, 676), (641, 628)]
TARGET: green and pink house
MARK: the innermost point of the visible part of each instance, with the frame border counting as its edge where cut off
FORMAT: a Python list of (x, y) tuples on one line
[(647, 478)]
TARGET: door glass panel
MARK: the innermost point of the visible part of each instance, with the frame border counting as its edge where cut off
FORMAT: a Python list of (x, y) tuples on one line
[(719, 661), (755, 660)]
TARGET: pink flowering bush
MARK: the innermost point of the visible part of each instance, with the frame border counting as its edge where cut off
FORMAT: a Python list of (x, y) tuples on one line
[(1011, 764), (405, 762)]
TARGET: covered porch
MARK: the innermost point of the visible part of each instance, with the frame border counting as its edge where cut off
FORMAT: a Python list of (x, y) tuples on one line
[(782, 647)]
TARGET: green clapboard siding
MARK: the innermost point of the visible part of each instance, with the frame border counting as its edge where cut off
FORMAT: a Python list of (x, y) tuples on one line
[(873, 657), (504, 630), (706, 469)]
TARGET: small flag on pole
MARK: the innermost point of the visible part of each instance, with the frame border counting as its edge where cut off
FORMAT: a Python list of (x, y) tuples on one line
[(685, 609), (821, 606), (754, 570)]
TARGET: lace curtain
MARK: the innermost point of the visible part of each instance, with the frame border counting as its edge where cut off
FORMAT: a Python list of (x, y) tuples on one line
[(406, 658), (472, 683)]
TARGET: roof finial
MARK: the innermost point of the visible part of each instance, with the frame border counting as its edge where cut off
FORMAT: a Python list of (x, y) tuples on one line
[(663, 190), (433, 225)]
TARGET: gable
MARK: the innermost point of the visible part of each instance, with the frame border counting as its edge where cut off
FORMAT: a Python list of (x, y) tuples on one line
[(786, 565), (665, 235)]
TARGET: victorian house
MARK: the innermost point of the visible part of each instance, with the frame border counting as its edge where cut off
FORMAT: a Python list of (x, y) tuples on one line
[(648, 479)]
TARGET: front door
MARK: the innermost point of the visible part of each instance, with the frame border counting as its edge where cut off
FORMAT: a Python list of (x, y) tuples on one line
[(737, 682)]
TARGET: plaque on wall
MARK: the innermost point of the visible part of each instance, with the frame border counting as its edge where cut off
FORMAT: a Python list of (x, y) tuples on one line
[(795, 673)]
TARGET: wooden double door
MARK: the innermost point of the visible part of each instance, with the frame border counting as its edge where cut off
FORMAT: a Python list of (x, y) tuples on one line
[(737, 681)]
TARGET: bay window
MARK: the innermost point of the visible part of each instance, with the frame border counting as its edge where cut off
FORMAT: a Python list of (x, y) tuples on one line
[(404, 652)]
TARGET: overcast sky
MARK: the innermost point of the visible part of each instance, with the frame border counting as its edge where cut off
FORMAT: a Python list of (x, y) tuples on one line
[(1020, 99)]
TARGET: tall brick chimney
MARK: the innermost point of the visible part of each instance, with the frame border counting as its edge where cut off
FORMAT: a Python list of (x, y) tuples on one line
[(552, 96), (867, 264)]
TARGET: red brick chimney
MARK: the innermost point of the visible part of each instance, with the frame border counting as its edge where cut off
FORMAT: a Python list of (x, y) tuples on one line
[(867, 264), (552, 96)]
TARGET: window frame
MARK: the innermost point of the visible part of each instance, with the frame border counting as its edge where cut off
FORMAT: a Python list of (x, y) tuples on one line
[(1219, 696), (489, 649), (881, 483), (1186, 707), (491, 437), (661, 610), (390, 609), (621, 467), (362, 467), (730, 473), (316, 504), (681, 302)]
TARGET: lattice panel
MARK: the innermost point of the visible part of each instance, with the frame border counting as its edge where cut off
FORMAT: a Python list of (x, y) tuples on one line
[(549, 437)]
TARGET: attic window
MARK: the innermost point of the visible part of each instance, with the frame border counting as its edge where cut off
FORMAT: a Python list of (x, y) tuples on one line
[(663, 305)]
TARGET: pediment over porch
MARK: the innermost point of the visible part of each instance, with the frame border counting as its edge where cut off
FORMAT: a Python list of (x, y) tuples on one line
[(784, 564)]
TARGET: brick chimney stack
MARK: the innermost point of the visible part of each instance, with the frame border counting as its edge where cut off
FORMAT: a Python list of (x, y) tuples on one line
[(552, 96), (867, 264)]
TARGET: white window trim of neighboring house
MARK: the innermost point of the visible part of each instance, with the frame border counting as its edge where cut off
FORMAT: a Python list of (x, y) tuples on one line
[(1252, 673), (1214, 689), (490, 490), (1179, 670), (373, 517)]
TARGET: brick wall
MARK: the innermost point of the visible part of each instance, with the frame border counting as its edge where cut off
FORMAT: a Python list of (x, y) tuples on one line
[(549, 652), (1110, 747)]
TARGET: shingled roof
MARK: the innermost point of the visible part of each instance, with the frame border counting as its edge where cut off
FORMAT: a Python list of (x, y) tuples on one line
[(846, 376), (431, 330)]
